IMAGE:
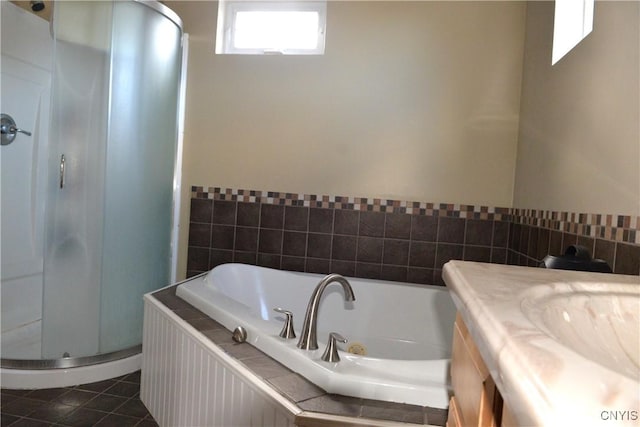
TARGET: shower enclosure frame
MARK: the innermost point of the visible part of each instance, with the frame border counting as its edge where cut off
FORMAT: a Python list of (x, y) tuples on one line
[(65, 371)]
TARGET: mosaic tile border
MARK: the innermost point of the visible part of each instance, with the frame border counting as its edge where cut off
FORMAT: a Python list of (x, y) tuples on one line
[(352, 203), (619, 228)]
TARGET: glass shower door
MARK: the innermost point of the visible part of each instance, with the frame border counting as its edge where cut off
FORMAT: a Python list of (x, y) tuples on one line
[(114, 129), (141, 152), (76, 175)]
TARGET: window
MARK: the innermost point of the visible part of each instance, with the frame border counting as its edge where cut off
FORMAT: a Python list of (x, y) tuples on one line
[(573, 21), (271, 27)]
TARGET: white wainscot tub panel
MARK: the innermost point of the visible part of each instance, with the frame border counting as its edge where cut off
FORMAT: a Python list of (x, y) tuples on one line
[(186, 382)]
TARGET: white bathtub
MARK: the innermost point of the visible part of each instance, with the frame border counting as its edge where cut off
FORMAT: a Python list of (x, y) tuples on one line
[(406, 329)]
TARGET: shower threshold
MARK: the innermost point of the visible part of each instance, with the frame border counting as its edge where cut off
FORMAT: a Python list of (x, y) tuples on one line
[(69, 362), (69, 371)]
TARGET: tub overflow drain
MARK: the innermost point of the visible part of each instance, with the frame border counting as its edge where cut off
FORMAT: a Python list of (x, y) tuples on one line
[(239, 334), (357, 348)]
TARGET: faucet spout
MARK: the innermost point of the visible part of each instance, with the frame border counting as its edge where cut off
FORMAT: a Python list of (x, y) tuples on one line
[(308, 339)]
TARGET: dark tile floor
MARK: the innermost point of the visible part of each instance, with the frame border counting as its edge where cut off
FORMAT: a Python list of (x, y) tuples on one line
[(114, 402)]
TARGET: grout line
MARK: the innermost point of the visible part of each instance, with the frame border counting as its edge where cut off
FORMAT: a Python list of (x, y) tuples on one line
[(97, 395)]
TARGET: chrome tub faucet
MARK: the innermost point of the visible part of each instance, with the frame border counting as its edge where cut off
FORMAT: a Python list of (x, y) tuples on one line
[(308, 337)]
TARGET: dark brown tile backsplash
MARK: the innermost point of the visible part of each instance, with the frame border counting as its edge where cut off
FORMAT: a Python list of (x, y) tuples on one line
[(424, 228), (479, 232), (319, 245), (294, 243), (627, 260), (346, 222), (371, 224), (451, 230), (271, 216), (248, 214), (321, 220), (389, 240), (296, 218), (344, 247), (395, 252), (397, 226), (623, 258), (224, 212), (422, 254), (246, 239), (201, 210), (395, 245)]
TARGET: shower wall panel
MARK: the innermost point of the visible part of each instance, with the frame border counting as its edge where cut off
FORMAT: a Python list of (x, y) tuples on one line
[(26, 86), (140, 161)]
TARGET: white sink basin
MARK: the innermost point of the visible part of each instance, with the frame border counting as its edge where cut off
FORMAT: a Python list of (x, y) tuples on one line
[(562, 346), (601, 322)]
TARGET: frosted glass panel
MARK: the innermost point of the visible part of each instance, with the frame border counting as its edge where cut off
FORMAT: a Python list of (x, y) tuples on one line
[(114, 118), (73, 251), (146, 60)]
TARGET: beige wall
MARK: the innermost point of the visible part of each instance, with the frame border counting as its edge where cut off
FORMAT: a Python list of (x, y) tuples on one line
[(579, 143), (412, 101)]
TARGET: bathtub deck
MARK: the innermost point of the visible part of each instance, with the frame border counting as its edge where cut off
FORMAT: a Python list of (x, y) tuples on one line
[(306, 395)]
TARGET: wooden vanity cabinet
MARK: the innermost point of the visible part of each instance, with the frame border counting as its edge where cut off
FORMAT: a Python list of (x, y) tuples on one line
[(476, 400)]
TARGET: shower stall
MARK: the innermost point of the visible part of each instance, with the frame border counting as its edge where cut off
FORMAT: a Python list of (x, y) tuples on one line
[(89, 190)]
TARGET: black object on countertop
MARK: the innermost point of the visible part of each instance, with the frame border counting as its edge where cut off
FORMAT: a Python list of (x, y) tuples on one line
[(578, 258)]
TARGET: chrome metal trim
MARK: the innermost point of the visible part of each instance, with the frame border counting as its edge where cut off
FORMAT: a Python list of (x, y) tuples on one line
[(287, 331), (308, 335), (331, 352), (239, 335), (62, 165), (188, 279), (9, 129), (197, 276), (164, 10), (69, 362)]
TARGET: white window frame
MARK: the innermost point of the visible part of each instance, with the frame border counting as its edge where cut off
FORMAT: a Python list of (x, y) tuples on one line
[(573, 21), (227, 10)]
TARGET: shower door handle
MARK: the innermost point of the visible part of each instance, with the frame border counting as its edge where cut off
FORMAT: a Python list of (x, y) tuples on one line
[(62, 166)]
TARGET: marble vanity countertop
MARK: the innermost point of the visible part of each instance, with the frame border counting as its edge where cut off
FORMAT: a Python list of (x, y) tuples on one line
[(543, 381)]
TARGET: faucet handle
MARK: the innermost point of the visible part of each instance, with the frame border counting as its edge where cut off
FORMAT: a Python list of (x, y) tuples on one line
[(331, 352), (287, 329)]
